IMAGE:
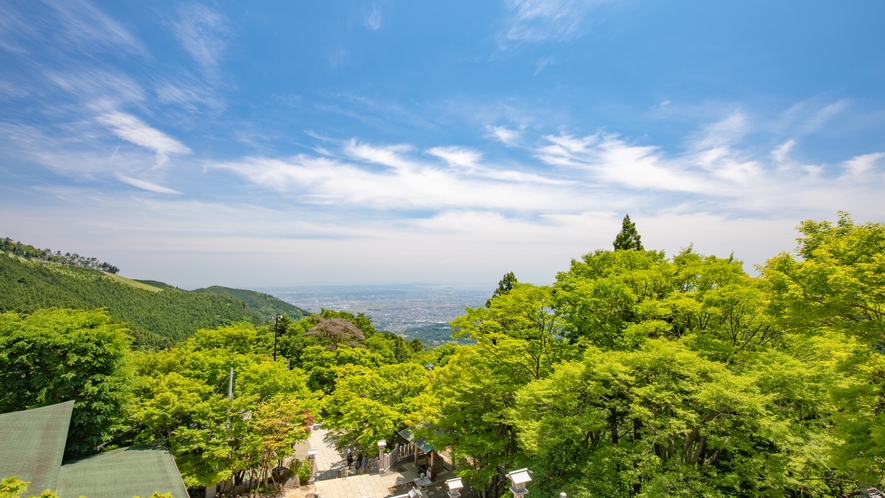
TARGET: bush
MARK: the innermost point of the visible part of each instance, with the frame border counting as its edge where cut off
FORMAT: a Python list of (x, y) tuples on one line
[(301, 468)]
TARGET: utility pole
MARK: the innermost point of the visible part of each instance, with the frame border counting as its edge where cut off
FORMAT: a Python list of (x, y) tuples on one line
[(276, 333)]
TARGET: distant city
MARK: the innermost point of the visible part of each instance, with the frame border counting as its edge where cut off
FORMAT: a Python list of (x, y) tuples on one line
[(408, 310)]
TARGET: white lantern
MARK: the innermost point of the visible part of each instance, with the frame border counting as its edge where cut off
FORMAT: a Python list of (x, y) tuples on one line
[(519, 478)]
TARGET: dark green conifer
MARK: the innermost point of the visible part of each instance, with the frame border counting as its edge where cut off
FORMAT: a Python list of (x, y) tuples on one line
[(505, 285), (628, 238)]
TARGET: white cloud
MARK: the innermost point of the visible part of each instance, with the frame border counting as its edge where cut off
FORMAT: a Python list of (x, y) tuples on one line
[(99, 87), (145, 185), (504, 135), (373, 20), (133, 130), (859, 165), (457, 156), (81, 21), (541, 20), (189, 95), (782, 152), (200, 31)]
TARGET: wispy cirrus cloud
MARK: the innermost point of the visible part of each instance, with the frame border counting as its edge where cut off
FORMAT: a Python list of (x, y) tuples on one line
[(547, 20), (84, 23), (145, 185), (201, 32), (190, 95), (132, 129), (373, 20)]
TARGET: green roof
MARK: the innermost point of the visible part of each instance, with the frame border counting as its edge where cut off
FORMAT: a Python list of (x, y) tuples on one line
[(123, 473), (33, 442), (421, 443)]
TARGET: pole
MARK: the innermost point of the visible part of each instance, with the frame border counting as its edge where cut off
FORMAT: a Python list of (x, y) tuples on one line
[(230, 384), (276, 332)]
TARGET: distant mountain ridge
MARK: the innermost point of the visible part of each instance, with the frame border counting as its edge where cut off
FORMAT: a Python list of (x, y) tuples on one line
[(158, 314), (264, 304)]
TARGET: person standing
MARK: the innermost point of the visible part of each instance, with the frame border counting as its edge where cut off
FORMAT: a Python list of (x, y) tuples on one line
[(349, 456), (359, 461)]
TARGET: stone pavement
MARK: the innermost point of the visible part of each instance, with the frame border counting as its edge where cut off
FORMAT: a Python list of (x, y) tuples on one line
[(328, 485), (327, 457), (370, 485)]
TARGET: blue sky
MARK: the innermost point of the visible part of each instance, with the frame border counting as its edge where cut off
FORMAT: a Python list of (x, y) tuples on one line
[(280, 143)]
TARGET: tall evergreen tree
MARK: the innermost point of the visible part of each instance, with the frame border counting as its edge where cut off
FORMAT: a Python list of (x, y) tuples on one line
[(628, 238), (505, 285)]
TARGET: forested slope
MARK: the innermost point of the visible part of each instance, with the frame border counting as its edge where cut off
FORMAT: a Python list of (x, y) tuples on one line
[(264, 304), (155, 318)]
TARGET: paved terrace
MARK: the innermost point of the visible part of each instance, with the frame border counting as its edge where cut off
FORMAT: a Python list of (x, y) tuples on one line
[(373, 485)]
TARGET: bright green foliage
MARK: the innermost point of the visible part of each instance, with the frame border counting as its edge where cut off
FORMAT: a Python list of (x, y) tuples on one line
[(663, 421), (861, 421), (13, 487), (371, 404), (628, 237), (468, 407), (837, 285), (471, 398), (53, 356), (182, 397), (601, 296), (274, 426), (517, 329), (839, 282)]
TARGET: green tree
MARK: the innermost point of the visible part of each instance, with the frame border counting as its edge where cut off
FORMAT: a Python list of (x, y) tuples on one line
[(628, 237), (504, 286), (468, 407), (518, 329), (369, 404), (834, 284), (52, 356), (664, 421)]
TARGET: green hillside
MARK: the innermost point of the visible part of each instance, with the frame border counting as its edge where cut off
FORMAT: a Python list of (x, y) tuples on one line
[(156, 316), (264, 304), (433, 334)]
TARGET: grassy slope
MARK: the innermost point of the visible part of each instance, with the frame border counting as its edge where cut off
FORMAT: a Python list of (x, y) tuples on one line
[(155, 318), (266, 305)]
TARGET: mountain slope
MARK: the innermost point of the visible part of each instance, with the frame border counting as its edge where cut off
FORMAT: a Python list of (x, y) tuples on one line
[(156, 316), (264, 304)]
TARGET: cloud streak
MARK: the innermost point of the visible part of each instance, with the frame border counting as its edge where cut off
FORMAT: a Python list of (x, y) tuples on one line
[(547, 20), (134, 130), (200, 31)]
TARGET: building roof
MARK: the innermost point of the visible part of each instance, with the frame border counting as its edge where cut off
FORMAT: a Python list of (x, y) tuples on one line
[(33, 443), (125, 472), (421, 443)]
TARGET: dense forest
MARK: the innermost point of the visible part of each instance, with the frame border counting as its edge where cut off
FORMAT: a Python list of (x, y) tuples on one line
[(30, 252), (264, 304), (635, 374), (157, 314)]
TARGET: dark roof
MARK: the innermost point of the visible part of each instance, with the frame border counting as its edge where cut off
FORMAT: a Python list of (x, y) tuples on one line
[(421, 443), (33, 442), (125, 472)]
